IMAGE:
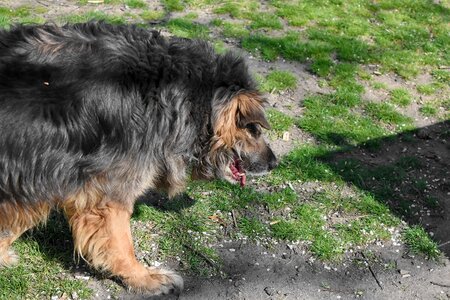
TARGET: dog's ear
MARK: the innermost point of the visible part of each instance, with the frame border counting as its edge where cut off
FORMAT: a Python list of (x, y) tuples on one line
[(257, 117), (250, 110), (241, 110)]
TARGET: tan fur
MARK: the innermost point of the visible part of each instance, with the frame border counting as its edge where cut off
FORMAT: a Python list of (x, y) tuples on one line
[(15, 219), (226, 130), (7, 256), (102, 236)]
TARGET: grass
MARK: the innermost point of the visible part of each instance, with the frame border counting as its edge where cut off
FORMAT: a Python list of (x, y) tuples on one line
[(43, 268), (400, 97), (265, 20), (173, 5), (331, 120), (93, 15), (277, 81), (386, 113), (22, 14), (187, 29), (135, 3), (231, 29), (151, 15), (279, 121), (420, 242), (429, 89), (428, 110)]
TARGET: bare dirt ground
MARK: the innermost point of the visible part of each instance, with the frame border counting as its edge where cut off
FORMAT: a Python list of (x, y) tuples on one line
[(252, 271)]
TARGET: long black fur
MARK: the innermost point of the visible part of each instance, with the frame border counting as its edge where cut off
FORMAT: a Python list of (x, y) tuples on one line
[(81, 99)]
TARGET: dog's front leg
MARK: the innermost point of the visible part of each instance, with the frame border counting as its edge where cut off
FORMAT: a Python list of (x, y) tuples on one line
[(102, 236)]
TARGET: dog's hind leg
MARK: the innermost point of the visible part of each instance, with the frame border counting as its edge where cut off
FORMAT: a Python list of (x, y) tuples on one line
[(15, 219), (102, 236)]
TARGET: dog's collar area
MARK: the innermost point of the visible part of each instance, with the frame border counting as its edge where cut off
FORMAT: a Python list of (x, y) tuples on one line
[(237, 171)]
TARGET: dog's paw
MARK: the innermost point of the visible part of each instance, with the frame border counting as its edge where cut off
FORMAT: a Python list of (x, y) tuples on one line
[(8, 259), (155, 281)]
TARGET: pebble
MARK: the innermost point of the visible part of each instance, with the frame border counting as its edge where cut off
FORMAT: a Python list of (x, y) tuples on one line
[(270, 291), (403, 272)]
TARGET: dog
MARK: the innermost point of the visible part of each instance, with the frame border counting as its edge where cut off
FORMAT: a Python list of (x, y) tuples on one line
[(92, 115)]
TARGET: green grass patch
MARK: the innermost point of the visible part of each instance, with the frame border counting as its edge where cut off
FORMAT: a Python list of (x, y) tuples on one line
[(442, 76), (419, 241), (335, 123), (252, 227), (234, 30), (400, 97), (279, 199), (307, 224), (322, 66), (277, 81), (93, 15), (152, 15), (429, 89), (135, 3), (303, 163), (379, 85), (386, 113), (243, 9), (22, 14), (265, 20), (279, 121), (187, 29), (270, 48), (428, 110), (173, 5)]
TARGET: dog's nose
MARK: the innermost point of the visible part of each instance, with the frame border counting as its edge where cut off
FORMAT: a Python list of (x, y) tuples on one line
[(273, 162)]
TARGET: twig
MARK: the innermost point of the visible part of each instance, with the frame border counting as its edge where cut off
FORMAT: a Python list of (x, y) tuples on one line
[(42, 3), (234, 218), (371, 271), (443, 244), (209, 261), (440, 284)]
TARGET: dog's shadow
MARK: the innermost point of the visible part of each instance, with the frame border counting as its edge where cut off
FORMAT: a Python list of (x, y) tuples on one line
[(162, 202)]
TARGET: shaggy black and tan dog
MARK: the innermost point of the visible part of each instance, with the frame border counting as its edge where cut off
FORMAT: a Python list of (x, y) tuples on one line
[(92, 115)]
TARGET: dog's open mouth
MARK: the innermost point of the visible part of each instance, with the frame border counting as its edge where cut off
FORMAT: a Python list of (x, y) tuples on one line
[(237, 171)]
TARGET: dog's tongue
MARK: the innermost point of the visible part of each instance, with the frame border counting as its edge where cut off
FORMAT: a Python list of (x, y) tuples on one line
[(238, 172)]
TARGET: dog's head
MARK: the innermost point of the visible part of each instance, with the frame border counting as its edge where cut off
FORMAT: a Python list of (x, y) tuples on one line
[(237, 146)]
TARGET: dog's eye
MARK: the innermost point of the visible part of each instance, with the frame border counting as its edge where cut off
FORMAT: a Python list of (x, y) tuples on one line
[(253, 129)]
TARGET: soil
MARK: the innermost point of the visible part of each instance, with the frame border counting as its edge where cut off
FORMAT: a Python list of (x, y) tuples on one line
[(287, 272)]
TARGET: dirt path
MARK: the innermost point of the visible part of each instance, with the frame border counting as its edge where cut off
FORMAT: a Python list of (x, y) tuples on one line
[(256, 273)]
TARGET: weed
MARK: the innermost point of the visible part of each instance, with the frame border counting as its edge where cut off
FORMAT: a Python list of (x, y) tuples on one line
[(419, 242)]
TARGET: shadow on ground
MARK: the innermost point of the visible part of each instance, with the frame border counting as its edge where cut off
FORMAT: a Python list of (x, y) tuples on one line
[(409, 172)]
